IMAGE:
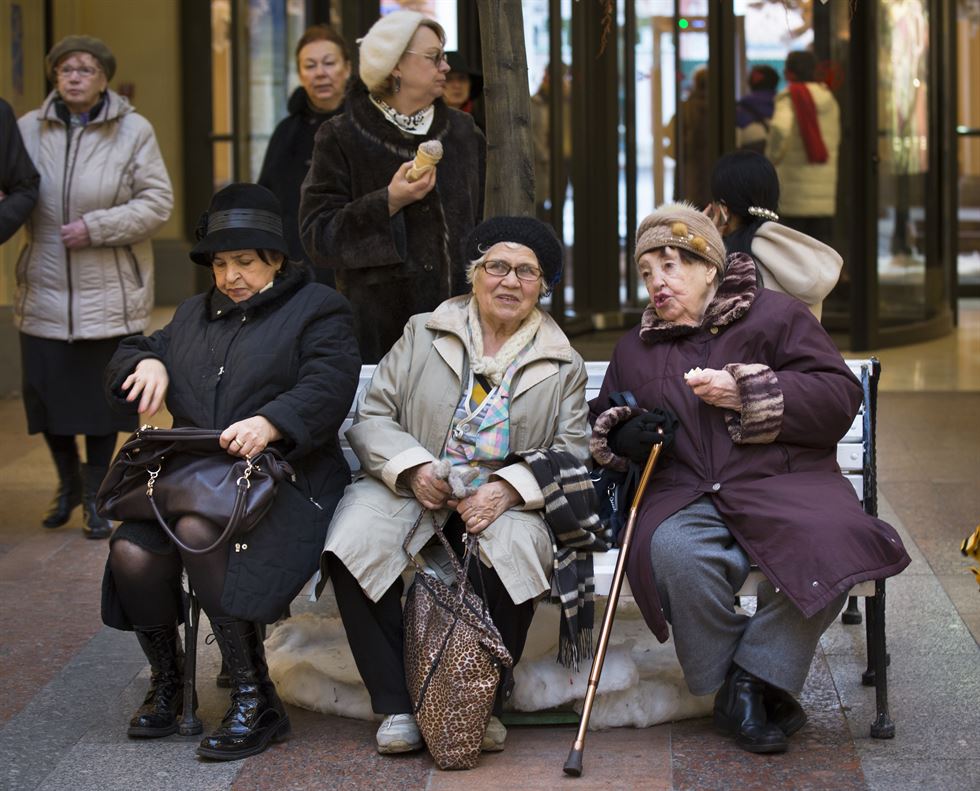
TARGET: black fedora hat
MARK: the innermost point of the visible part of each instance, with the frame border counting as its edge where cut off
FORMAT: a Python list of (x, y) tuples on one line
[(241, 217), (458, 63)]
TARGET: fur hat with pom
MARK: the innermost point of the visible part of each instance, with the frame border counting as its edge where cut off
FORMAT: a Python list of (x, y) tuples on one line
[(682, 226)]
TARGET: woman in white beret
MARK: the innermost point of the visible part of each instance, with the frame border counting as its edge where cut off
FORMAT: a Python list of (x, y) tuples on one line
[(395, 246)]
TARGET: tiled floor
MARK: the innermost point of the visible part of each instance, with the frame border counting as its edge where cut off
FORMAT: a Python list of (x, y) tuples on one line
[(69, 685)]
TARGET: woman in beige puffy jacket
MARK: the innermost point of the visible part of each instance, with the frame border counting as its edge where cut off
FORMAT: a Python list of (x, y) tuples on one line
[(85, 278)]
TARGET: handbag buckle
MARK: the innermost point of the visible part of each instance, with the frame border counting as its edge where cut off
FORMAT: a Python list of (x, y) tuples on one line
[(244, 475), (154, 474)]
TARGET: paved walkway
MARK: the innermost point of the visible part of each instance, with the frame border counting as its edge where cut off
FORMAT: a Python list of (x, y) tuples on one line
[(69, 684)]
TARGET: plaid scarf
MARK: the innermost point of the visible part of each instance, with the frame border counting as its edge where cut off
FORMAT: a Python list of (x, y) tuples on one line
[(570, 513)]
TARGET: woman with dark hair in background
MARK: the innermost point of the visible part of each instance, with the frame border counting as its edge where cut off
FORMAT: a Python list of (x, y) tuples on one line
[(804, 137), (745, 199), (753, 112), (323, 65), (464, 89)]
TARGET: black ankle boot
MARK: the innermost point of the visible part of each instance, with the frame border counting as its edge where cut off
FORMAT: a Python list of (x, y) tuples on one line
[(68, 495), (783, 710), (95, 526), (740, 711), (256, 715), (158, 715)]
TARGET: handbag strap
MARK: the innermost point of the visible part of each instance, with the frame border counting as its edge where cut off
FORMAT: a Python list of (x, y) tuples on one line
[(459, 567), (237, 512)]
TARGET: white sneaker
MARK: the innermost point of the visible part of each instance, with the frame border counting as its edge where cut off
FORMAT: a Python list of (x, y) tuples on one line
[(493, 739), (399, 734)]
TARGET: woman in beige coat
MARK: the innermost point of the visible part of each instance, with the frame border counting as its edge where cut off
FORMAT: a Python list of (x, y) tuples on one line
[(485, 375), (85, 278)]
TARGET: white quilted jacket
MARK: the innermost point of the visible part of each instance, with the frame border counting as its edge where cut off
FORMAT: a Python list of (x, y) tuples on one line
[(109, 173), (806, 189)]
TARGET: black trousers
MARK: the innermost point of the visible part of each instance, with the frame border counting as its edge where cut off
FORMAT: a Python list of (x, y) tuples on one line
[(376, 634)]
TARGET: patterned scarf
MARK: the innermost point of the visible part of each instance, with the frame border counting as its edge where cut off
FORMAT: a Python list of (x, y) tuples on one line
[(493, 368), (570, 513)]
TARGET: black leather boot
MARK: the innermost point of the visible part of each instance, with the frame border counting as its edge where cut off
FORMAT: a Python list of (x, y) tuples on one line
[(783, 710), (256, 715), (158, 715), (95, 526), (740, 711), (68, 495)]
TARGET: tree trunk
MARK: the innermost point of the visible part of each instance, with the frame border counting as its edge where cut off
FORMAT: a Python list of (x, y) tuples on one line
[(510, 156)]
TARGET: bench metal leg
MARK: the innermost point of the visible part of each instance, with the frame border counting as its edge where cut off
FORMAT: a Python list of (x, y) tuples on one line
[(189, 724), (882, 727), (851, 615)]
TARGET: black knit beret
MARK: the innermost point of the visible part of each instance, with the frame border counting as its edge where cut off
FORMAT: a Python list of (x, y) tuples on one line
[(528, 231)]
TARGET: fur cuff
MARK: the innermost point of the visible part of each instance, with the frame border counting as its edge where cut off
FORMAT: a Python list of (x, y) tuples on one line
[(599, 442), (761, 418)]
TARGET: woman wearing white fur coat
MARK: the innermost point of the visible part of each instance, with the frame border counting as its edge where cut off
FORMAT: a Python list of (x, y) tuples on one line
[(485, 375)]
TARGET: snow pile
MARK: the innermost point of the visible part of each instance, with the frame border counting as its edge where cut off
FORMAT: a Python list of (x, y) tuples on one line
[(641, 683)]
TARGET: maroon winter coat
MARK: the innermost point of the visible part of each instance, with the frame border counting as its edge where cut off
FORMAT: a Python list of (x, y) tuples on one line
[(772, 471)]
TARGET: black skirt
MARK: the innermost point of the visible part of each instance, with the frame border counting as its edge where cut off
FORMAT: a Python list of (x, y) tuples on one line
[(63, 389)]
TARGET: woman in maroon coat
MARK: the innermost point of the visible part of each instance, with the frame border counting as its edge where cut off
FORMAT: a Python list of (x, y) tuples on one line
[(761, 396)]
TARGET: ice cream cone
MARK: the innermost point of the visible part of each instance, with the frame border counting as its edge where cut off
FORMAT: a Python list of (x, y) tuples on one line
[(426, 158)]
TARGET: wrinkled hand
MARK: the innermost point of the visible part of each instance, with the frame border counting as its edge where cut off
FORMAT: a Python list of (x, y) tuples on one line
[(150, 379), (482, 509), (637, 436), (248, 437), (75, 235), (716, 388), (429, 489), (402, 192)]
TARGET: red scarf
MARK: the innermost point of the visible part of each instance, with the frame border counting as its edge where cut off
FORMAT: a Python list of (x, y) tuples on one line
[(806, 119)]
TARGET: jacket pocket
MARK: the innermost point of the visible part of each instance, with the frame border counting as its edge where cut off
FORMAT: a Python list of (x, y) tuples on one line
[(134, 264)]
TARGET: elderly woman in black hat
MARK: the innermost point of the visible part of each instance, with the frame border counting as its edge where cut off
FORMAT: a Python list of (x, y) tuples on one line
[(501, 375), (85, 279), (394, 245), (268, 357)]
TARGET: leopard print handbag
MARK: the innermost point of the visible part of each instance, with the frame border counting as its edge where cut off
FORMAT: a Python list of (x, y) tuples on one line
[(453, 659)]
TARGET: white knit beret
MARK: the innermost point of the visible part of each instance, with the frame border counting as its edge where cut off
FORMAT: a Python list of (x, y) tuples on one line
[(384, 44)]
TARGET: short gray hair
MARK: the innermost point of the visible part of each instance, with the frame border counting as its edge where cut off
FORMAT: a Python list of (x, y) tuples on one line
[(475, 264)]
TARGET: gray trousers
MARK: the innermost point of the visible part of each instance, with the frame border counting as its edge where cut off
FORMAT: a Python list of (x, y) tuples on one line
[(699, 567)]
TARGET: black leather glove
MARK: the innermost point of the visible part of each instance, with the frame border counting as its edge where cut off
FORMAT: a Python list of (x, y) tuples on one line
[(636, 437)]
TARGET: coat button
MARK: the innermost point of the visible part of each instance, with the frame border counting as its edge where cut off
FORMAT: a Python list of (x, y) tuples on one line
[(815, 584), (713, 330), (244, 318), (715, 487), (238, 547), (425, 209), (427, 267), (217, 313)]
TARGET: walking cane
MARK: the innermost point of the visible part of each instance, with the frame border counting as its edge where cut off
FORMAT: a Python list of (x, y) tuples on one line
[(573, 766)]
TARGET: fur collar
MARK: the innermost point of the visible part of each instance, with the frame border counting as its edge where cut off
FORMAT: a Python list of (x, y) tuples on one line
[(369, 121), (734, 297)]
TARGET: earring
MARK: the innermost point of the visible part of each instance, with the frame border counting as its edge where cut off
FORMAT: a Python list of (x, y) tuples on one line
[(398, 84)]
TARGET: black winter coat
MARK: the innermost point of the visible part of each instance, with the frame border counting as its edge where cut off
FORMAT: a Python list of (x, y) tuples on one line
[(287, 160), (391, 268), (18, 177), (289, 355)]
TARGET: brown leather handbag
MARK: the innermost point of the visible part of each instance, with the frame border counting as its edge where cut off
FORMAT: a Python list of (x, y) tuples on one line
[(162, 474), (453, 658)]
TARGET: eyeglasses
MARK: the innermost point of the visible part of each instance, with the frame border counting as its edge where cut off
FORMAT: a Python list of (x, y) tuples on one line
[(526, 272), (436, 57), (82, 71)]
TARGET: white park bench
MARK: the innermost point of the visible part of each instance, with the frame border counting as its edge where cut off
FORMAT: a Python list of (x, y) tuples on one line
[(856, 458)]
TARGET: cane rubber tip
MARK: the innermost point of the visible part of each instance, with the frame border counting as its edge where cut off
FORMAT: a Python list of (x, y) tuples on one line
[(573, 766)]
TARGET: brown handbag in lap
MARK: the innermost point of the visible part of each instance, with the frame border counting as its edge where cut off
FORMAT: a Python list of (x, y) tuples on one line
[(162, 474), (453, 657)]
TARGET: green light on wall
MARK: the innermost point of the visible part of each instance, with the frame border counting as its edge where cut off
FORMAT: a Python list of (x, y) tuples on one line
[(683, 24)]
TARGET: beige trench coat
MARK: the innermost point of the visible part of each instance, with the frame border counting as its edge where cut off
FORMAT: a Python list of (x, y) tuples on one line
[(403, 419)]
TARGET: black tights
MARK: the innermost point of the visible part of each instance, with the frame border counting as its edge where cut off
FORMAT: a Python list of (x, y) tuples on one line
[(148, 584), (98, 447)]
